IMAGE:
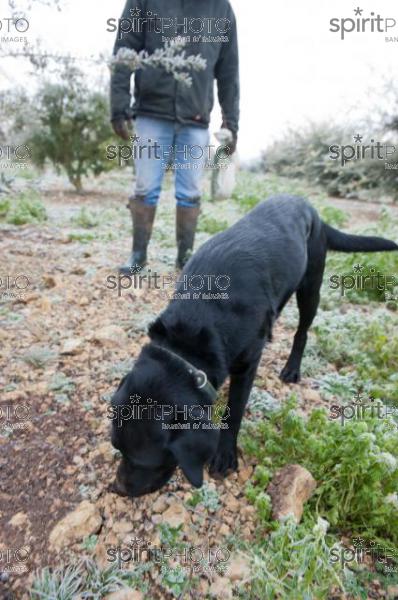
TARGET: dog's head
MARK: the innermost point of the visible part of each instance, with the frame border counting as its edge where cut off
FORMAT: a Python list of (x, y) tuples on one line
[(159, 423)]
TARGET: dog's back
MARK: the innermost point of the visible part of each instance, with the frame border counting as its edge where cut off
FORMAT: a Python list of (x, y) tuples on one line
[(279, 221), (265, 250)]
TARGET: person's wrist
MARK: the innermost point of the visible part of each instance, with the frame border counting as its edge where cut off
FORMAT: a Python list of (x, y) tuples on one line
[(231, 145)]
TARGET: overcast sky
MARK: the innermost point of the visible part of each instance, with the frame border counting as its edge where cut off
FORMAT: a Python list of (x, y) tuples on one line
[(293, 69)]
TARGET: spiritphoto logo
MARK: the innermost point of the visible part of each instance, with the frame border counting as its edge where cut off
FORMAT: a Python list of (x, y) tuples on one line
[(14, 157), (185, 156), (173, 417), (358, 151), (13, 30), (386, 558), (362, 22), (195, 29), (206, 286), (14, 287), (363, 408), (197, 559), (364, 278), (13, 417), (14, 560)]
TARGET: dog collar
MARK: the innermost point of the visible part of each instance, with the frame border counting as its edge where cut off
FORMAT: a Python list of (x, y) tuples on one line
[(201, 380)]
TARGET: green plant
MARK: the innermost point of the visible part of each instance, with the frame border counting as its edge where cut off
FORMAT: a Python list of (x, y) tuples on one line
[(252, 189), (61, 383), (62, 386), (89, 543), (26, 208), (360, 278), (83, 238), (306, 154), (207, 496), (334, 384), (294, 563), (260, 499), (100, 582), (371, 344), (58, 584), (72, 127), (83, 579), (357, 585), (262, 402), (85, 218), (246, 201), (4, 207), (211, 225), (8, 316), (170, 536), (355, 466), (174, 577), (333, 216), (360, 275), (39, 357), (313, 363)]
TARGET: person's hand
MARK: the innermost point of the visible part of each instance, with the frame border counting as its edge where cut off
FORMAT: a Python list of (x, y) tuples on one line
[(230, 146), (120, 127)]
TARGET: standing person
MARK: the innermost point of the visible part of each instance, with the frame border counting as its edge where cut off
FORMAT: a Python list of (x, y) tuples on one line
[(170, 112)]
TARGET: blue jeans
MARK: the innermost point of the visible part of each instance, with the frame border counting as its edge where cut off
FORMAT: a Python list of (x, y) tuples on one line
[(163, 142)]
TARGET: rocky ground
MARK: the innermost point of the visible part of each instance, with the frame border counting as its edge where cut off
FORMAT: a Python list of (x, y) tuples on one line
[(63, 347)]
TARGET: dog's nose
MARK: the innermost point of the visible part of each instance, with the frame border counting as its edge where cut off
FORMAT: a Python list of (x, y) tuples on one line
[(117, 488)]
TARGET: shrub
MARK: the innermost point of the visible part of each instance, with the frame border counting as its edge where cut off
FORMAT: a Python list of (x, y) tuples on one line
[(25, 208), (305, 154), (355, 466), (294, 564), (80, 580), (72, 128)]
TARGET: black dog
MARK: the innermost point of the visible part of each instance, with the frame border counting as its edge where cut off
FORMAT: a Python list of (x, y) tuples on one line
[(277, 249)]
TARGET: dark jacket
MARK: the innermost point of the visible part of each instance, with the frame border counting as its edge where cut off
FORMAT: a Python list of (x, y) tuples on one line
[(156, 93)]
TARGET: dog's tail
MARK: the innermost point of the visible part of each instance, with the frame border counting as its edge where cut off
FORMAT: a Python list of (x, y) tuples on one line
[(345, 242)]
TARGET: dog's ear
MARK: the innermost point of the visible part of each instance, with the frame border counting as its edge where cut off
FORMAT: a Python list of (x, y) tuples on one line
[(121, 382), (192, 449), (157, 329)]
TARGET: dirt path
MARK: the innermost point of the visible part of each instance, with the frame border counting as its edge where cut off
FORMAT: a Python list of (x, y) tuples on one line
[(360, 212)]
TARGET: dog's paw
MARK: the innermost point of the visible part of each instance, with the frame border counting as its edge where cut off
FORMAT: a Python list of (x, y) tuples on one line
[(225, 461), (290, 375)]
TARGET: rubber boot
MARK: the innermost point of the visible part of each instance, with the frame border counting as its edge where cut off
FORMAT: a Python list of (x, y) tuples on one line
[(186, 222), (143, 216)]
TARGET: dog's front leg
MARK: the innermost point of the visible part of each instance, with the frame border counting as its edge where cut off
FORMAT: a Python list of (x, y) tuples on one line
[(226, 458)]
